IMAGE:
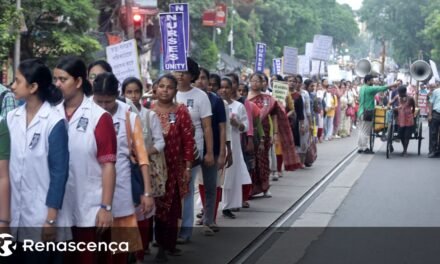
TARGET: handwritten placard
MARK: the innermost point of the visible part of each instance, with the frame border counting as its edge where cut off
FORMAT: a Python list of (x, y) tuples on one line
[(315, 67), (322, 46), (123, 58), (309, 49), (280, 91), (290, 60), (334, 73)]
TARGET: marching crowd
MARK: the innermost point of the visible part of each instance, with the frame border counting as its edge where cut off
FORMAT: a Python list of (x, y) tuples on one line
[(104, 161)]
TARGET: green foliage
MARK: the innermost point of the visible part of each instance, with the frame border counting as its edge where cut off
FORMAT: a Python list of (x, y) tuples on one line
[(59, 27), (398, 21), (431, 31), (9, 23), (206, 52)]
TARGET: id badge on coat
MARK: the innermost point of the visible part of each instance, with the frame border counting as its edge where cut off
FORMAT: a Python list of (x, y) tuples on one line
[(172, 118), (34, 141), (82, 124)]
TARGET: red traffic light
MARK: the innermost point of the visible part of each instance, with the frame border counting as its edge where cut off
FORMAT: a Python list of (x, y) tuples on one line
[(137, 18)]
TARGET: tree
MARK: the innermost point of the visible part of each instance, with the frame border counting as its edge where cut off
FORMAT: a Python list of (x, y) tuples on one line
[(58, 27), (398, 21), (9, 23), (431, 32)]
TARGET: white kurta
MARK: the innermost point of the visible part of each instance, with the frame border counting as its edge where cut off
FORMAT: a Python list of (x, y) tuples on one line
[(237, 174)]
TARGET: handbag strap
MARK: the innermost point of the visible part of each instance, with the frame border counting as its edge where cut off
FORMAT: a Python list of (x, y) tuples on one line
[(129, 139)]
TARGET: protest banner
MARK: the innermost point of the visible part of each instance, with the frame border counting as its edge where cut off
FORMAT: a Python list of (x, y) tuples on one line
[(123, 58), (303, 65), (334, 73), (184, 8), (423, 103), (316, 68), (276, 66), (290, 60), (260, 56), (434, 70), (309, 49), (280, 91), (173, 41), (322, 46)]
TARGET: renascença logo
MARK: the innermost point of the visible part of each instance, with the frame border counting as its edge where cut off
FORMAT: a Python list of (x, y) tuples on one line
[(7, 245)]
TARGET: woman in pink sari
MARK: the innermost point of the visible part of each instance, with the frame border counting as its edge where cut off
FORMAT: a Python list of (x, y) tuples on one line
[(270, 109)]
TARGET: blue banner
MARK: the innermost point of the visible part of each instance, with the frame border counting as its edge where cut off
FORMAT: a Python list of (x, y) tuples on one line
[(260, 57), (184, 8), (173, 41), (276, 66)]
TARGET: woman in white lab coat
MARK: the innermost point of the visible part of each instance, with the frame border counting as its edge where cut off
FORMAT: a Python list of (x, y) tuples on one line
[(130, 142), (237, 174), (92, 147), (39, 160)]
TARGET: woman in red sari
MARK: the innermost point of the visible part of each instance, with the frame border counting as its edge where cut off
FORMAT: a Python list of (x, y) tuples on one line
[(282, 133), (179, 154)]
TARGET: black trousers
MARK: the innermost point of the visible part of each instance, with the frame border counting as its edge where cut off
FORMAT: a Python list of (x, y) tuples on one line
[(434, 127)]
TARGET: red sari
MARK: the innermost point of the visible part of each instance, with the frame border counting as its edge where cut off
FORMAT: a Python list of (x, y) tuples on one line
[(179, 148), (260, 176)]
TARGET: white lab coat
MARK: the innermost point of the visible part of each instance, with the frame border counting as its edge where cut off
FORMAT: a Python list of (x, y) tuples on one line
[(84, 187), (122, 199), (29, 173)]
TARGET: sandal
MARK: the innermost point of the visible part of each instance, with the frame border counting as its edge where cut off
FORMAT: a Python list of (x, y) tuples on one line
[(245, 205)]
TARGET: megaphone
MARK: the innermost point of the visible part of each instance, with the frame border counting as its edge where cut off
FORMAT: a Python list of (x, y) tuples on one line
[(421, 71), (364, 67)]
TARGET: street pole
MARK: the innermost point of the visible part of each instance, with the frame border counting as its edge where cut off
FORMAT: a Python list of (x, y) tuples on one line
[(129, 20), (17, 42)]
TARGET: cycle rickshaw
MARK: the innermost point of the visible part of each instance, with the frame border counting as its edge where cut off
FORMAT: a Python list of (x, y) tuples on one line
[(385, 126)]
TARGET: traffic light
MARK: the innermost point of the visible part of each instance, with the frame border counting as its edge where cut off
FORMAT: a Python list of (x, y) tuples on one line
[(137, 20)]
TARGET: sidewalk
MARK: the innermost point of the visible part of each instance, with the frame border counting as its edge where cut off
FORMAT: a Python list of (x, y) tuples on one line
[(236, 234)]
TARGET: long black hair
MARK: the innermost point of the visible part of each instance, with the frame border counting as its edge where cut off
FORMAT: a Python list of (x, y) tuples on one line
[(106, 84), (101, 63), (35, 71), (76, 68)]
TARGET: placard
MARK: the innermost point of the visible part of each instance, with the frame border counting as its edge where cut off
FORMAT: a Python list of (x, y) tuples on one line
[(280, 91), (309, 49), (260, 56), (322, 46), (123, 58), (423, 103), (434, 70), (303, 65), (173, 41), (276, 66), (334, 73), (290, 61), (184, 8), (315, 67)]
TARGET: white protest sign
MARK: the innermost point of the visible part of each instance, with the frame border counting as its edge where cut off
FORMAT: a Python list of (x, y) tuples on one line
[(309, 49), (434, 70), (123, 58), (315, 67), (303, 65), (334, 73), (349, 75), (290, 60), (280, 91), (322, 46)]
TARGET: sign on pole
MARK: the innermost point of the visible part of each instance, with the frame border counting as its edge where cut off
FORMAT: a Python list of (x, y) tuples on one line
[(434, 70), (173, 41), (316, 69), (124, 60), (303, 65), (280, 91), (184, 8), (334, 73), (322, 46), (276, 66), (260, 56), (309, 49), (290, 61)]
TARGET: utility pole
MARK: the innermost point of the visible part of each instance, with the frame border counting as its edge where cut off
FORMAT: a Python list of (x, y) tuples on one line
[(17, 46), (129, 20)]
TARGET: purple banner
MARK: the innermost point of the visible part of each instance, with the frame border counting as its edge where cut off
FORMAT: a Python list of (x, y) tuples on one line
[(184, 8), (173, 41), (260, 57), (276, 66)]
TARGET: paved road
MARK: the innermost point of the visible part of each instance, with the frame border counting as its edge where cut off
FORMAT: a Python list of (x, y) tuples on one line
[(236, 234), (376, 211)]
